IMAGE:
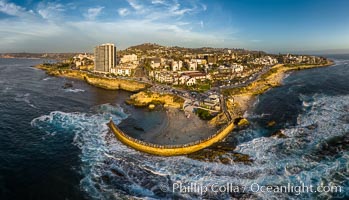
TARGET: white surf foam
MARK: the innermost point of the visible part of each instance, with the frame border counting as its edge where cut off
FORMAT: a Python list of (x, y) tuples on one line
[(47, 78), (287, 158), (113, 171), (74, 90)]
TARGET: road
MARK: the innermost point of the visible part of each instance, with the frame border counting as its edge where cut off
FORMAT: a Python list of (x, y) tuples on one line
[(224, 107), (254, 77)]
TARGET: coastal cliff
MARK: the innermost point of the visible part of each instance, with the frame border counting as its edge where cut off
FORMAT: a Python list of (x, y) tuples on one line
[(101, 82), (115, 84)]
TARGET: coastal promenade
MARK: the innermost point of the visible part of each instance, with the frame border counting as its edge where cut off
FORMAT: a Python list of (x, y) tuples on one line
[(170, 150)]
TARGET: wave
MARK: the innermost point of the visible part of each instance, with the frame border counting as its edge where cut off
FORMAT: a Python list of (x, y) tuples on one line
[(341, 62), (113, 171), (74, 90), (47, 78), (23, 98), (301, 158)]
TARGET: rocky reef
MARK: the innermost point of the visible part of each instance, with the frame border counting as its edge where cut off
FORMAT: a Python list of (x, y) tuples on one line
[(146, 98)]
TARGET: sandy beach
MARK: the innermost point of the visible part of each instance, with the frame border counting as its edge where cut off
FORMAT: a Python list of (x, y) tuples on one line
[(178, 129)]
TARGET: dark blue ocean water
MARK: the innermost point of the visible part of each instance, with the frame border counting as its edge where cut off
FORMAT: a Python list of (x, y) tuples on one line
[(54, 143)]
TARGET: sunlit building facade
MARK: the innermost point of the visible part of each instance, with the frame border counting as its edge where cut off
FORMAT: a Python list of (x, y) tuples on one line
[(105, 57)]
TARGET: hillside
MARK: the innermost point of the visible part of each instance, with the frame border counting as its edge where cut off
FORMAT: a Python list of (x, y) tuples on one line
[(149, 48)]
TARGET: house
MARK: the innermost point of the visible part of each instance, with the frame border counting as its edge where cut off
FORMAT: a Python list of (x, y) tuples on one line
[(128, 58), (237, 68), (211, 59), (191, 81), (197, 75), (193, 66), (191, 78), (164, 77), (214, 98), (266, 60), (83, 59), (183, 79), (199, 61), (225, 69), (78, 63), (121, 71), (176, 79), (155, 63), (176, 65)]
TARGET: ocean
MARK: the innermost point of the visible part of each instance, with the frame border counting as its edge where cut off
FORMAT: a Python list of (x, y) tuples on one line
[(54, 142)]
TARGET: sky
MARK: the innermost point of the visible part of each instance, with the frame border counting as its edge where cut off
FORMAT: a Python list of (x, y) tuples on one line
[(269, 25)]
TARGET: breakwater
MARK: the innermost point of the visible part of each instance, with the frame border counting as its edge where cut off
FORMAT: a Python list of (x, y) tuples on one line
[(170, 150)]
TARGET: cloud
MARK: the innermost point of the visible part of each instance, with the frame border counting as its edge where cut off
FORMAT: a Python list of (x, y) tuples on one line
[(123, 12), (176, 10), (53, 29), (31, 36), (50, 10), (12, 9), (163, 33), (135, 5), (162, 9), (93, 13), (158, 2)]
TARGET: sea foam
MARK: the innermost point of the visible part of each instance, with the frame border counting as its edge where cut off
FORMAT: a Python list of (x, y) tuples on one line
[(112, 170)]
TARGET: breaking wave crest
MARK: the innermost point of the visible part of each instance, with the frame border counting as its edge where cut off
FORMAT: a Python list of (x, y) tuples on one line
[(74, 90), (311, 154)]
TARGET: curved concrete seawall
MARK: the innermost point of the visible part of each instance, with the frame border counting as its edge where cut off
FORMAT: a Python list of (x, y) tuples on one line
[(170, 150)]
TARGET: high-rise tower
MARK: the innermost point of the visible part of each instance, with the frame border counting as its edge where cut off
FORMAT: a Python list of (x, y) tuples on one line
[(105, 57)]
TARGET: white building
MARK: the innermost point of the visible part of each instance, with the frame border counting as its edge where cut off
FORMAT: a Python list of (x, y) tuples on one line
[(155, 63), (183, 79), (191, 81), (191, 78), (266, 60), (176, 65), (193, 66), (164, 77), (83, 59), (128, 58), (199, 61), (237, 68), (121, 71)]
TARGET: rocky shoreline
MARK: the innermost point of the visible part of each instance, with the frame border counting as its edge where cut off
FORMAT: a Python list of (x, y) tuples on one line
[(178, 128), (101, 82), (242, 98), (146, 98)]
